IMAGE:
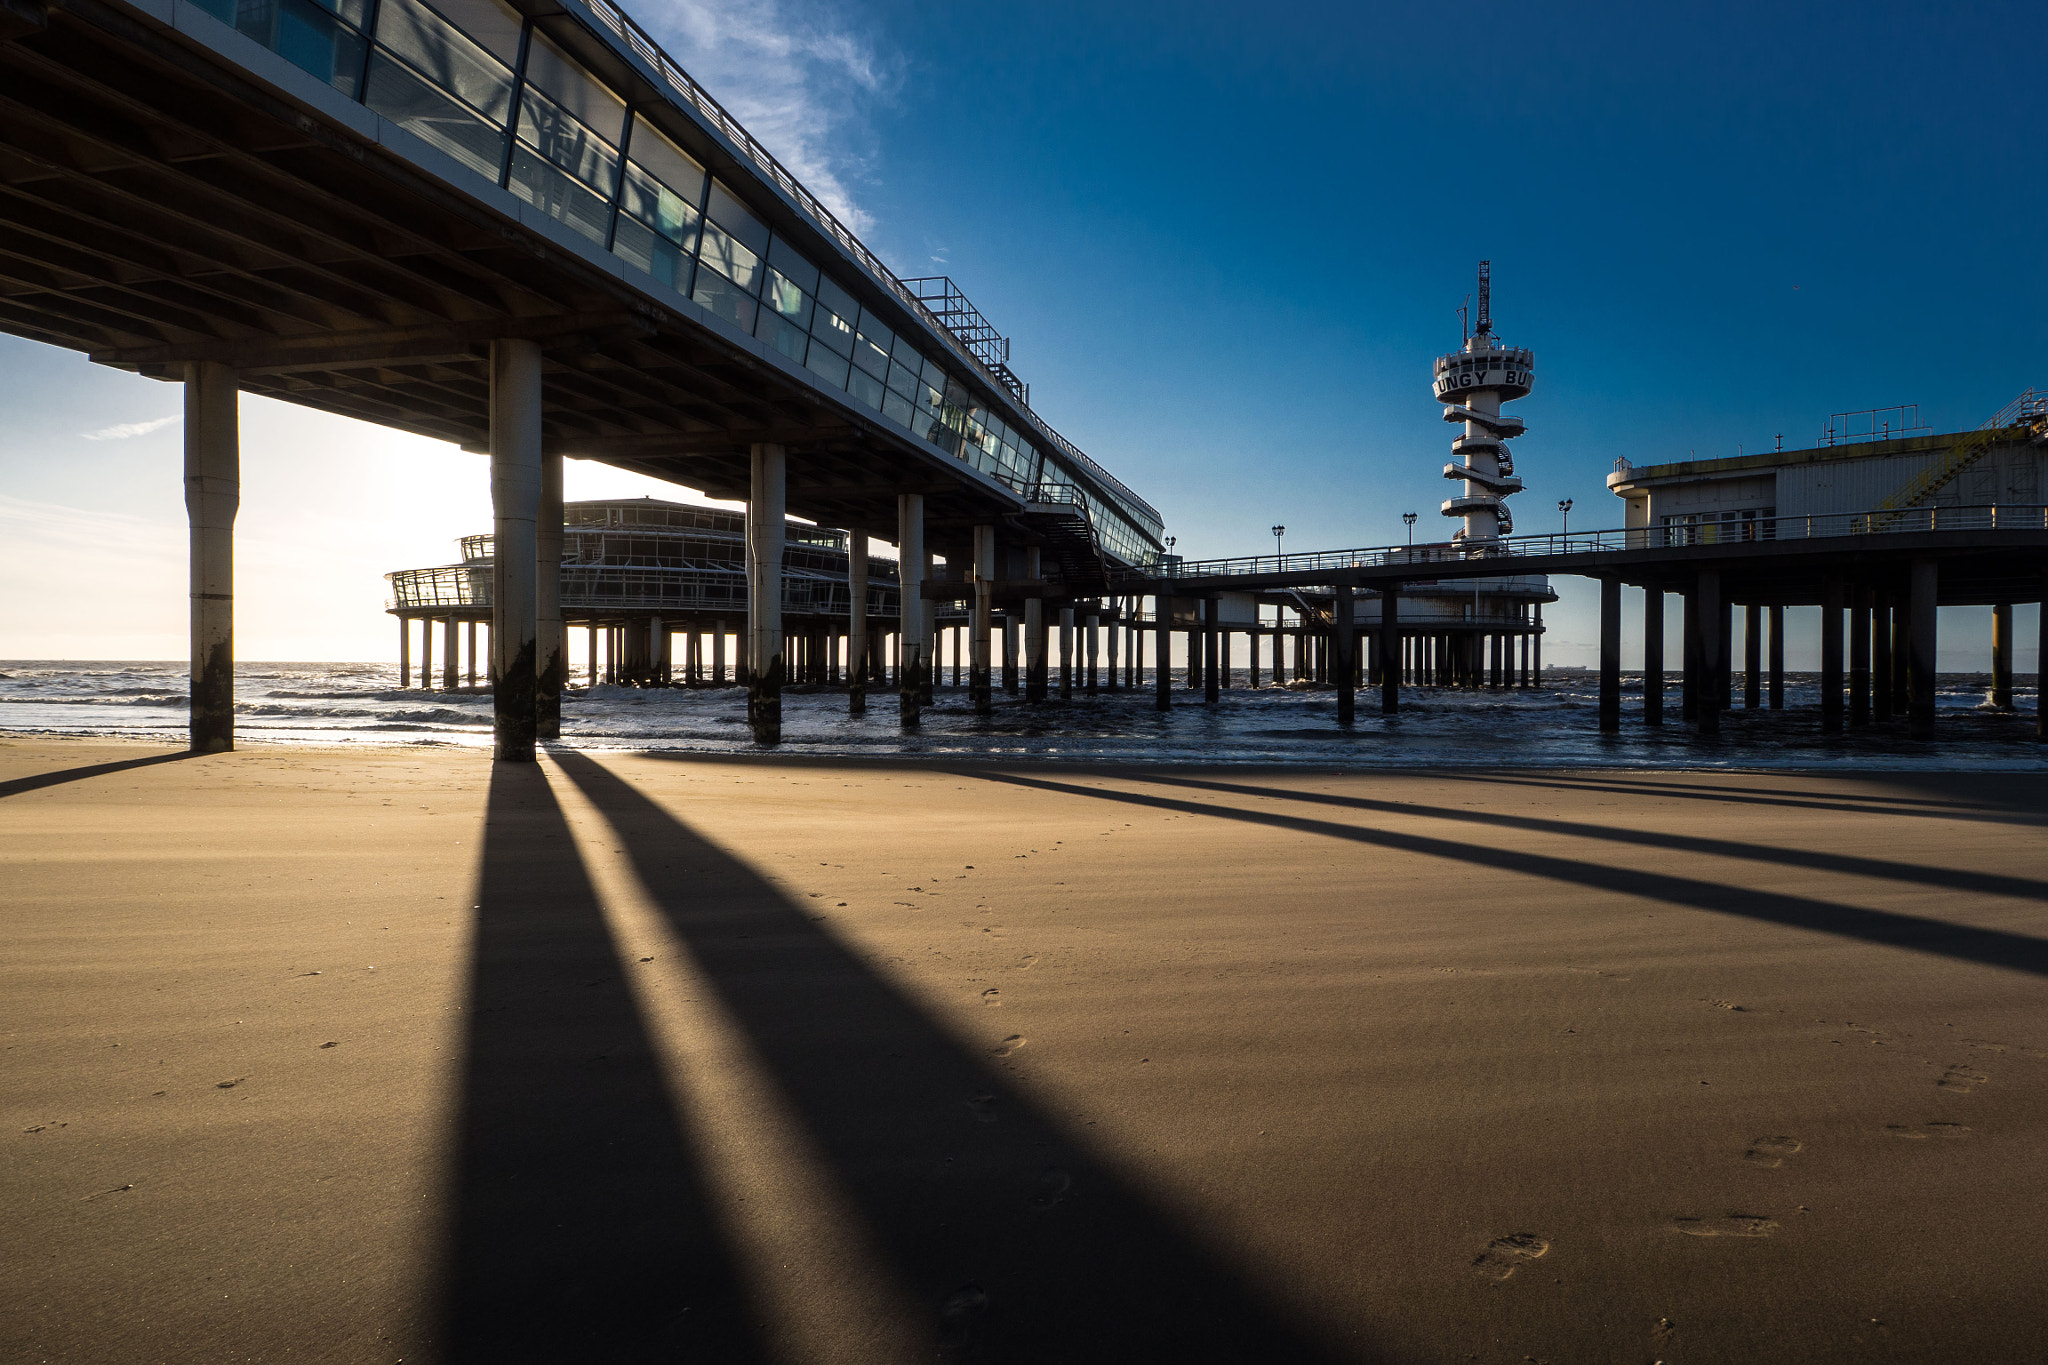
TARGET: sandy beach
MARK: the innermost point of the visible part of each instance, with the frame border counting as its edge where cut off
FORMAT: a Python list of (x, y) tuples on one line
[(380, 1055)]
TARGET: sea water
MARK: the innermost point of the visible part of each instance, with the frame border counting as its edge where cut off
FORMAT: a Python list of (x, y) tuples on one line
[(1552, 726)]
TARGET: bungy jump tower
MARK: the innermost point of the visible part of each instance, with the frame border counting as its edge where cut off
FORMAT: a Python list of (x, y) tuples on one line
[(1474, 632), (1472, 382)]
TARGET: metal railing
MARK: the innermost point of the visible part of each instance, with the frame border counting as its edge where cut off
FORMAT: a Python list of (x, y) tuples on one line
[(1983, 517), (603, 589), (697, 97)]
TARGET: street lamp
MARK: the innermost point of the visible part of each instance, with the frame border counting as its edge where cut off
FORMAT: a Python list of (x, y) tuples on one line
[(1408, 520), (1565, 506), (1278, 531)]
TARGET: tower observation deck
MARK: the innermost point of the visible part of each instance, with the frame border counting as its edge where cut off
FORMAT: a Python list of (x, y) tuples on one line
[(1472, 382)]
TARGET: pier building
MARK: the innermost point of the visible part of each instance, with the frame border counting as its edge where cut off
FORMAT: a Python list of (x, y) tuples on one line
[(520, 226), (524, 228)]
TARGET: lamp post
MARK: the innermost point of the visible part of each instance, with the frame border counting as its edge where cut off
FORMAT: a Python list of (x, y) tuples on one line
[(1564, 506), (1408, 520), (1278, 531)]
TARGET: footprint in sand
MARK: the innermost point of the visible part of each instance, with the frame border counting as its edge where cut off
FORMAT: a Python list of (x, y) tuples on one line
[(1007, 1046), (1505, 1255), (983, 1107), (1771, 1151), (1961, 1078), (991, 996), (1733, 1225), (1920, 1132)]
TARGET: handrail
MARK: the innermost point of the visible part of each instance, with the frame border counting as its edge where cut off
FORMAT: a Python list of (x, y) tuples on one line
[(681, 82), (1983, 517)]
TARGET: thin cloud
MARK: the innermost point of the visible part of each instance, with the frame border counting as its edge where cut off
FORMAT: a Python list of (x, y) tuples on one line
[(794, 76), (126, 430)]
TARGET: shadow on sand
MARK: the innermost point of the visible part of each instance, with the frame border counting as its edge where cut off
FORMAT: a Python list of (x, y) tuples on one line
[(17, 786), (583, 1230)]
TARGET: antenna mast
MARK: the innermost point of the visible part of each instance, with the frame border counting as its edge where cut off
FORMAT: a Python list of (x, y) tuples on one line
[(1485, 323)]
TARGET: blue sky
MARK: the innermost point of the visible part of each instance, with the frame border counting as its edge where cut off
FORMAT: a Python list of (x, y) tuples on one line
[(1227, 240)]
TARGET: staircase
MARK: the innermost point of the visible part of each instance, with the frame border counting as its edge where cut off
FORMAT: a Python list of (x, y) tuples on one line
[(2025, 414), (1069, 540)]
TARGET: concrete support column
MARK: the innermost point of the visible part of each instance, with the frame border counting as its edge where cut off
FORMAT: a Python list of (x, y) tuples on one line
[(427, 653), (1610, 654), (1653, 655), (1882, 703), (718, 634), (1093, 638), (1859, 656), (1777, 615), (404, 652), (515, 501), (1162, 646), (657, 651), (1034, 632), (928, 652), (1752, 656), (1212, 609), (1706, 671), (471, 654), (451, 655), (856, 621), (1109, 643), (2001, 656), (551, 667), (981, 661), (1920, 707), (911, 564), (1390, 648), (2041, 667), (1345, 638), (1831, 657), (1902, 633), (1689, 658), (767, 508), (1067, 653), (1724, 683), (213, 496)]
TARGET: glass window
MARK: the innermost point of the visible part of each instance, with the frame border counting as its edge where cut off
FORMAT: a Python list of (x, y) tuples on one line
[(726, 255), (830, 328), (491, 24), (866, 388), (315, 37), (839, 301), (787, 298), (737, 219), (779, 332), (548, 128), (903, 378), (559, 196), (394, 92), (667, 163), (447, 59), (722, 297), (657, 256), (654, 204), (829, 367), (556, 73), (897, 406), (793, 266)]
